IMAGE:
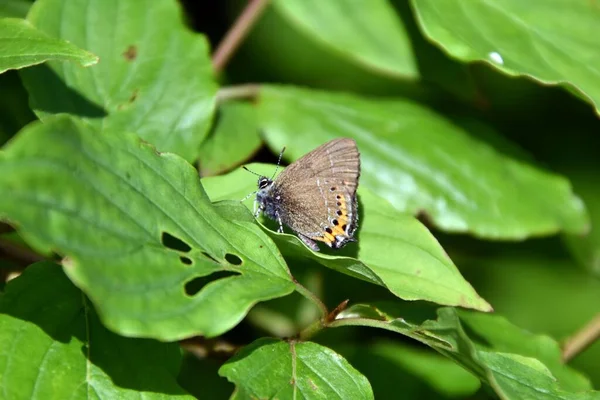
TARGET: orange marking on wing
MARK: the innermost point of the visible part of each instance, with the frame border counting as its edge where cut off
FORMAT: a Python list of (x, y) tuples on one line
[(337, 230)]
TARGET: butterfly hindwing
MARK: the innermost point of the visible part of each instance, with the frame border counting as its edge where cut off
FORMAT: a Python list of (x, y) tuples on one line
[(318, 193)]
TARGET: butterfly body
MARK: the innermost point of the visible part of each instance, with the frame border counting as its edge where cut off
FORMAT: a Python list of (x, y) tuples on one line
[(316, 195)]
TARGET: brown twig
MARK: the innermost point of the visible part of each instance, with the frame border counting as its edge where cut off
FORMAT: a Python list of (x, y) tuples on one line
[(581, 339), (246, 91), (236, 34), (19, 254)]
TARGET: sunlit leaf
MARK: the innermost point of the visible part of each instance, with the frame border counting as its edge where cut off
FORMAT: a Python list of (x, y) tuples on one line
[(421, 162), (142, 238), (155, 77), (270, 368), (394, 250), (22, 45), (56, 348)]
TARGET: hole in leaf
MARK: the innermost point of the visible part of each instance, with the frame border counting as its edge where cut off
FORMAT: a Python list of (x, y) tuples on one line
[(174, 243), (233, 259), (197, 284), (211, 258), (185, 260)]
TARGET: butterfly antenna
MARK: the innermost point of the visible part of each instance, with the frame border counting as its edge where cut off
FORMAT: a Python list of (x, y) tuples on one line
[(278, 163), (252, 172)]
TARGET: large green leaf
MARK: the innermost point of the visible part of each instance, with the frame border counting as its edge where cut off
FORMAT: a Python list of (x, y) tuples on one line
[(509, 373), (155, 77), (551, 44), (367, 32), (394, 250), (502, 336), (138, 230), (235, 139), (270, 368), (541, 293), (54, 347), (21, 45), (421, 162)]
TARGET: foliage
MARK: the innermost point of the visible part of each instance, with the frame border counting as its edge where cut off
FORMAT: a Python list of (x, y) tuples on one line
[(131, 269)]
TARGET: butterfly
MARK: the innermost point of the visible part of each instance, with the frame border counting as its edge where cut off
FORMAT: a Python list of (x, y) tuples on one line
[(316, 195)]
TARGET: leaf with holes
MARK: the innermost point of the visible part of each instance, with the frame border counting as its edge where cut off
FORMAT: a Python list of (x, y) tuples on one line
[(270, 368), (419, 161), (521, 38), (56, 348), (138, 230), (394, 250), (376, 39), (24, 46), (155, 77), (508, 372)]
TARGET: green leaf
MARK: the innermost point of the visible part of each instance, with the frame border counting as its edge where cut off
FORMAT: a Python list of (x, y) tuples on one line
[(142, 238), (23, 46), (14, 8), (155, 78), (586, 248), (510, 375), (54, 347), (541, 293), (421, 162), (519, 377), (367, 32), (234, 140), (521, 38), (502, 336), (270, 368), (394, 250)]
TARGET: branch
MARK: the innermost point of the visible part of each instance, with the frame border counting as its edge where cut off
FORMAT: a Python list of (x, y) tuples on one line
[(581, 339), (240, 29)]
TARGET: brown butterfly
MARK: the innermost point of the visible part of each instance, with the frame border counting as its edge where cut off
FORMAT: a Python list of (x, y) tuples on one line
[(316, 195)]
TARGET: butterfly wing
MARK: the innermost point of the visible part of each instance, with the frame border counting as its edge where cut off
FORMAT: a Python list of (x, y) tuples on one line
[(318, 193)]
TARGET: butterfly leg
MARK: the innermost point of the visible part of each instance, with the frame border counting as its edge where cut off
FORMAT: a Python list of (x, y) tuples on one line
[(280, 230), (256, 208), (309, 242)]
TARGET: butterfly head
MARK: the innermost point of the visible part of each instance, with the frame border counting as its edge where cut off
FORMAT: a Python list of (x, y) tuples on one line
[(264, 183)]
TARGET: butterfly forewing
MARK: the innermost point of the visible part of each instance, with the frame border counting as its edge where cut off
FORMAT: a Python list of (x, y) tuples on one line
[(318, 193)]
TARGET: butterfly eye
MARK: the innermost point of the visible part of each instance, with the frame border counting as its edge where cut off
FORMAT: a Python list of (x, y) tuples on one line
[(263, 182)]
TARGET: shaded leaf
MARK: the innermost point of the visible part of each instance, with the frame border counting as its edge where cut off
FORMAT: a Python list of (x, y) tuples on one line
[(521, 38), (586, 248), (367, 32), (56, 348), (502, 336), (234, 140), (510, 375), (14, 8), (405, 258), (271, 368), (142, 239), (420, 161), (24, 46), (155, 77)]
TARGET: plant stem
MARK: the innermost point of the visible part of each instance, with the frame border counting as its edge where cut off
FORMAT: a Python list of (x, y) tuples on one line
[(236, 34), (581, 339), (247, 91), (310, 296)]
